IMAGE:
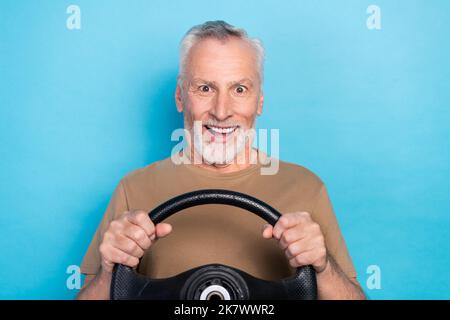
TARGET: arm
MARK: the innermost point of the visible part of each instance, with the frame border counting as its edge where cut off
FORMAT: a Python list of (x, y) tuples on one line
[(332, 283), (96, 287)]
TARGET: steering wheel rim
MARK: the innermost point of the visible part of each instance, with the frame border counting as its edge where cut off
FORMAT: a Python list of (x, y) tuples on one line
[(302, 285)]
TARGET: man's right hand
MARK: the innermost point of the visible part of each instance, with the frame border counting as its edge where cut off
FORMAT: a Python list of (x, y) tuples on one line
[(127, 238)]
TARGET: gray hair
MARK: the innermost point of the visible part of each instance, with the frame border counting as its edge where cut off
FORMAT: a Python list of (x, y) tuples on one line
[(219, 30)]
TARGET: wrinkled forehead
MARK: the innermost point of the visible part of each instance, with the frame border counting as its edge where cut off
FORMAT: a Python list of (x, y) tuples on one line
[(222, 61)]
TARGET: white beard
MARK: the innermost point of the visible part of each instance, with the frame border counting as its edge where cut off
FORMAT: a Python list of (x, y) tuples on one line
[(220, 153)]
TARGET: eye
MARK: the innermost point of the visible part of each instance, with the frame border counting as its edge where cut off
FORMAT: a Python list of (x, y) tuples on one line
[(240, 89), (204, 88)]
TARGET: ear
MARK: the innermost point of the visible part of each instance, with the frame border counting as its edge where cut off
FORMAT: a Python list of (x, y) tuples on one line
[(260, 104), (179, 98)]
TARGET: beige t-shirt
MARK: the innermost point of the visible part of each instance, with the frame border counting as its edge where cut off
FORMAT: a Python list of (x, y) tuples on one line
[(220, 233)]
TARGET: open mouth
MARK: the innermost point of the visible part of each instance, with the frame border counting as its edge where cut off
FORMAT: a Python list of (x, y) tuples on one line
[(221, 131)]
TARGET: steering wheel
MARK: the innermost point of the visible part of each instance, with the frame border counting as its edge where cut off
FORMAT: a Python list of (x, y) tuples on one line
[(212, 281)]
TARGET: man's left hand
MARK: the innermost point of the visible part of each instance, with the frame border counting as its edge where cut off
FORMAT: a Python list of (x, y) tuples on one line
[(301, 239)]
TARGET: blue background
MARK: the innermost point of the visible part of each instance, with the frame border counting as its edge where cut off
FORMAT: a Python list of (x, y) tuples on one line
[(367, 110)]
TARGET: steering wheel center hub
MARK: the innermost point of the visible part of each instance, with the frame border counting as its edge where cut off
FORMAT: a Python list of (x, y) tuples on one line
[(215, 282)]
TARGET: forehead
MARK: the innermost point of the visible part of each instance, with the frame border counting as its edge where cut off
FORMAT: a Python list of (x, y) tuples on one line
[(220, 61)]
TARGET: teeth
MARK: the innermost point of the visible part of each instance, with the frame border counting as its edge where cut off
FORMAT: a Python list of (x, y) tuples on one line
[(222, 130)]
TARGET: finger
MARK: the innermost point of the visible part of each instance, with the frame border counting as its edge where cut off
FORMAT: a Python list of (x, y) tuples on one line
[(141, 219), (287, 221), (303, 259), (114, 255), (127, 245), (162, 230), (300, 246), (292, 235), (267, 231), (138, 235)]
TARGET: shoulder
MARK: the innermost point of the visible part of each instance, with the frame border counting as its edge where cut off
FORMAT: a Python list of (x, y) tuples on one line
[(148, 173), (299, 175)]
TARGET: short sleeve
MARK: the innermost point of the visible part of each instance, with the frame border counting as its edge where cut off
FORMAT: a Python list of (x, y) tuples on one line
[(117, 205), (323, 214)]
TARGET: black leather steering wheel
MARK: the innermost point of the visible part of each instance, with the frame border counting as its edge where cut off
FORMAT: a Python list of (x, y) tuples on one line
[(213, 281)]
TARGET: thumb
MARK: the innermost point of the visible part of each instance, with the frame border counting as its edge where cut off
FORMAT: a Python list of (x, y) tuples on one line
[(162, 230), (267, 231)]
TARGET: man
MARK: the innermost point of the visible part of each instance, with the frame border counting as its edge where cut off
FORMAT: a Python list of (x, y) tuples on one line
[(220, 94)]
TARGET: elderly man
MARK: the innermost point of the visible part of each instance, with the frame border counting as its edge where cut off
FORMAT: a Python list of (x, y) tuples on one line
[(220, 88)]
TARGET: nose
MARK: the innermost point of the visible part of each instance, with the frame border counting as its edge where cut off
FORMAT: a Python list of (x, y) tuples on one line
[(221, 109)]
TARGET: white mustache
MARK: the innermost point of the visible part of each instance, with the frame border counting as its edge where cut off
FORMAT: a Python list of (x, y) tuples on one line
[(211, 123)]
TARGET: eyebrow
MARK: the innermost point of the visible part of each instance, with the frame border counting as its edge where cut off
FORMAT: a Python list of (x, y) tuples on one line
[(231, 83), (244, 80)]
